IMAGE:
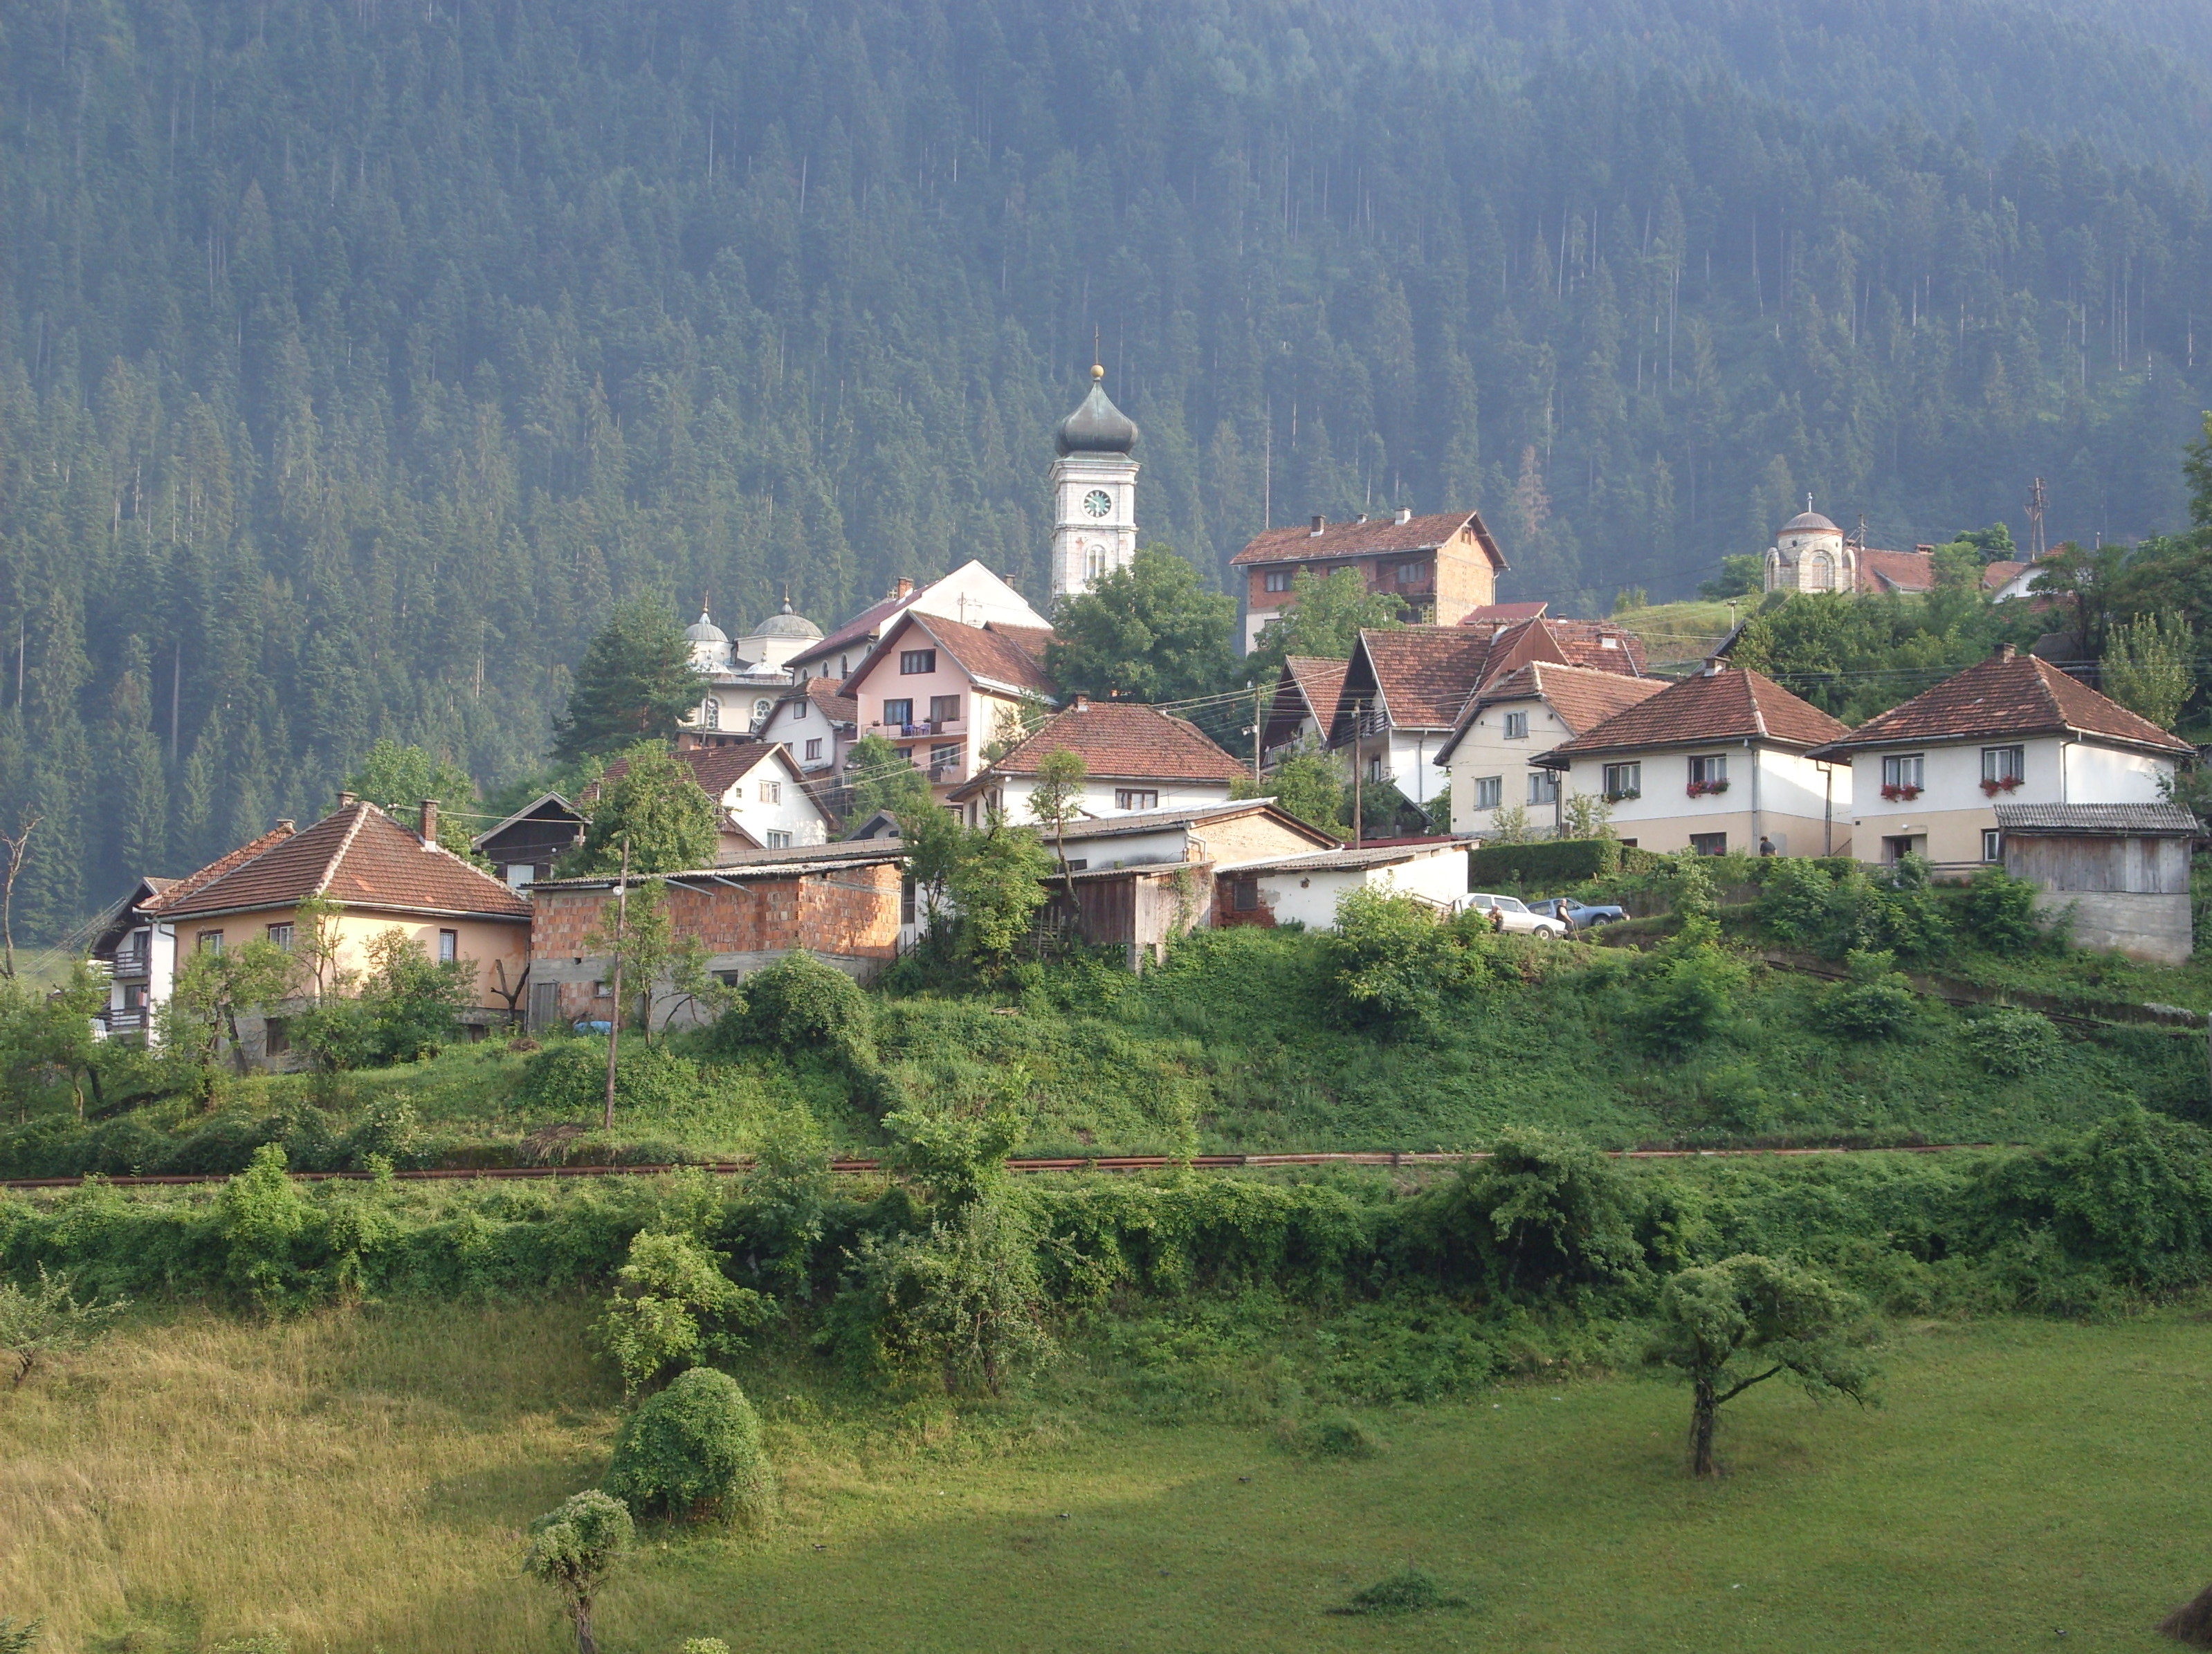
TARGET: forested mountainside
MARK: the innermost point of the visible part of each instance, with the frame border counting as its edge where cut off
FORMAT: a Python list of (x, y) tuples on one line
[(354, 356)]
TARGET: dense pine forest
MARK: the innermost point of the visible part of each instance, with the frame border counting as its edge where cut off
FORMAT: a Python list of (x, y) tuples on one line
[(355, 357)]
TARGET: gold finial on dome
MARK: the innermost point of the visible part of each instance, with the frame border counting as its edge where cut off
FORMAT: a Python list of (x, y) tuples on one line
[(1098, 372)]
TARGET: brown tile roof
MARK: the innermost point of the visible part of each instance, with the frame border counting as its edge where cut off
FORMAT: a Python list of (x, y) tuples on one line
[(1122, 741), (1377, 537), (1584, 697), (174, 891), (360, 856), (1030, 639), (824, 692), (1731, 704), (1418, 678), (2007, 694), (1896, 571), (1319, 682), (1996, 577), (1504, 614), (716, 769)]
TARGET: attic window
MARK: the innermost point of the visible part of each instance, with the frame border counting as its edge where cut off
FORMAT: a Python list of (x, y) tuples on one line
[(912, 661), (1517, 726), (1136, 799), (1609, 643)]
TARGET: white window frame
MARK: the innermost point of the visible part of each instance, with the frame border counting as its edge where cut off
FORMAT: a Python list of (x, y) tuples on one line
[(917, 663), (779, 840), (1905, 770), (2004, 763), (1993, 844), (1543, 786), (1707, 768), (449, 946), (1517, 726), (1489, 792), (771, 792), (1620, 781)]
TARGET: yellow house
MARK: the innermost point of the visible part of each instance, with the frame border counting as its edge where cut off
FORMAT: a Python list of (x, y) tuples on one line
[(381, 875)]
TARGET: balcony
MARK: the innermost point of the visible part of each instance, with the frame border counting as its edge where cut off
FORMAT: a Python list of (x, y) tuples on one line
[(130, 965), (940, 726)]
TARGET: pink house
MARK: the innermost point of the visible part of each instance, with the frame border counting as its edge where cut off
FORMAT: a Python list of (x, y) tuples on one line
[(940, 691)]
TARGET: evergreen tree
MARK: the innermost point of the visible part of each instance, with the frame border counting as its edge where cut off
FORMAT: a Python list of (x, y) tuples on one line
[(637, 682)]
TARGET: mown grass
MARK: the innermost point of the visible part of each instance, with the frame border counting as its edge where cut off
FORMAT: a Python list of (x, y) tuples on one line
[(356, 1482)]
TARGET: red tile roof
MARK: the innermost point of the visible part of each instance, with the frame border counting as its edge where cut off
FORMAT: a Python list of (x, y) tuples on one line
[(358, 856), (1309, 687), (1376, 538), (175, 890), (1582, 696), (859, 632), (716, 769), (2007, 694), (1504, 614), (836, 707), (1422, 676), (1896, 571), (1996, 576), (1730, 703), (1120, 740)]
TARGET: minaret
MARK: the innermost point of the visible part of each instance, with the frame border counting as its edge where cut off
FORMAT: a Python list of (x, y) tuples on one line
[(1094, 492)]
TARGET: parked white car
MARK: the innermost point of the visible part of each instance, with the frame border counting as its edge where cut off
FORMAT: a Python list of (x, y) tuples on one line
[(1513, 915)]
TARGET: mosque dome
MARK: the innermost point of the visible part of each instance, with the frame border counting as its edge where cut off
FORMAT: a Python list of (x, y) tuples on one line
[(1809, 522), (704, 630), (1097, 426), (785, 623)]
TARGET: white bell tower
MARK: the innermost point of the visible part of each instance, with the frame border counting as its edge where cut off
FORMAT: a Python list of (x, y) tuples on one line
[(1094, 494)]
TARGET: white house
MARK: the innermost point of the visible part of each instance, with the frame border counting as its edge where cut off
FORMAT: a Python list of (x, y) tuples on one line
[(1304, 889), (1244, 832), (1926, 776), (1513, 720), (761, 799), (971, 596), (1716, 762), (1136, 759), (815, 721)]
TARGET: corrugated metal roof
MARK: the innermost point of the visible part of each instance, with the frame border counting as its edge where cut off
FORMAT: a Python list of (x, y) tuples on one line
[(2100, 821)]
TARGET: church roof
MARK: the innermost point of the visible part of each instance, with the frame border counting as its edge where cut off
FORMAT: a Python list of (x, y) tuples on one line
[(1096, 427), (1809, 520)]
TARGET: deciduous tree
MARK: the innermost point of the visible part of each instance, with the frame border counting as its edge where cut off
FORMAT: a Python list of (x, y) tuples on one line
[(1151, 632)]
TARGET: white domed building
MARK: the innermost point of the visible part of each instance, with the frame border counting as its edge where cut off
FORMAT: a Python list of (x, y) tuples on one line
[(1811, 554), (744, 678)]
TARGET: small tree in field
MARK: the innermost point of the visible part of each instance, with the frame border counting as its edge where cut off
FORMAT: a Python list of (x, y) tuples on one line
[(574, 1548), (1744, 1320), (37, 1324)]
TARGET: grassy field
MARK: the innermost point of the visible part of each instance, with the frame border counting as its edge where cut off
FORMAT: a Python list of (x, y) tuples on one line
[(360, 1481)]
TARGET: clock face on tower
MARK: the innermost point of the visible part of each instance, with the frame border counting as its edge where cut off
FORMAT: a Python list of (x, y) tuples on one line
[(1097, 503)]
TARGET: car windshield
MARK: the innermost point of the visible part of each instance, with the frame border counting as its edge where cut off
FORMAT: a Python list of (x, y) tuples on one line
[(1510, 905)]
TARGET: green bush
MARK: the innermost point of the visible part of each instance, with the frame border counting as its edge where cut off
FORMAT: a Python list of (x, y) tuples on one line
[(1332, 1435), (1393, 964), (1409, 1592), (2131, 1196), (672, 1304), (1681, 999), (569, 1078), (1998, 911), (2013, 1043), (693, 1450), (1542, 1217), (261, 1217), (1877, 1002), (965, 1300), (1545, 862), (799, 1003)]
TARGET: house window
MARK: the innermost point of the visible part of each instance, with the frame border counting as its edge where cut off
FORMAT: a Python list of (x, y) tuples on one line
[(1709, 773), (1375, 768), (912, 661), (1247, 897), (945, 757), (134, 995), (2004, 766), (1992, 845), (1076, 864), (779, 841), (210, 942), (281, 935), (771, 792), (798, 710), (1276, 579), (760, 710), (1489, 792), (900, 712), (813, 751), (1136, 799), (1517, 726), (1411, 573), (1903, 775), (449, 946), (135, 951), (943, 709), (906, 899), (1543, 787), (276, 1037), (1709, 844), (1823, 575), (1623, 781), (710, 712), (521, 874)]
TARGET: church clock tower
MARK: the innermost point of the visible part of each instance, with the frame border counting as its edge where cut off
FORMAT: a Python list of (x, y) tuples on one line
[(1094, 494)]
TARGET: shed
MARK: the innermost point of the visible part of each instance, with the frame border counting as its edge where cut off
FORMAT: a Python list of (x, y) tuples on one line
[(1306, 888), (526, 846), (2121, 870)]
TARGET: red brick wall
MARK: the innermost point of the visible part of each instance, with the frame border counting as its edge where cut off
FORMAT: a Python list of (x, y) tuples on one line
[(853, 912)]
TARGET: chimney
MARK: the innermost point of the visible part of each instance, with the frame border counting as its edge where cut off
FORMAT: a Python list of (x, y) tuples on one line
[(904, 588), (2006, 651), (1715, 666), (1319, 524), (1362, 516), (1925, 551), (1405, 514), (347, 800), (286, 824), (429, 821), (1082, 702)]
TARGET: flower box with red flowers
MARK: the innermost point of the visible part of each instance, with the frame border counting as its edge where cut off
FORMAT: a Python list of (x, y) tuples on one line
[(1704, 788), (1897, 792), (2003, 784)]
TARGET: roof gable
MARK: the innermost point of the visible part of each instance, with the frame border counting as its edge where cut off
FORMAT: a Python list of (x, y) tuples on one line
[(1418, 678), (1581, 697), (360, 857), (174, 891), (991, 659), (1379, 537), (1727, 703), (1119, 741), (2008, 694)]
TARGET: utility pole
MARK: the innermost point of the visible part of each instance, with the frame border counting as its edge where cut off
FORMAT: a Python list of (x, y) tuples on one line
[(2038, 498), (1257, 691), (614, 1026), (1359, 731)]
